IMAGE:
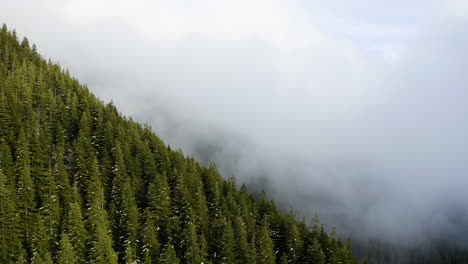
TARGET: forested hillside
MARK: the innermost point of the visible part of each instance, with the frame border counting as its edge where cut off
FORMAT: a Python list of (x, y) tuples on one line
[(79, 183)]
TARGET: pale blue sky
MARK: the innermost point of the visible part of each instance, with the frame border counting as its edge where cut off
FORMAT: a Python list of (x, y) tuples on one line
[(379, 27)]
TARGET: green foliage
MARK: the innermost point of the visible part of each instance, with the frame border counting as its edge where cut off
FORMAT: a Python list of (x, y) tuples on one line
[(242, 249), (74, 227), (9, 236), (99, 242), (168, 254), (79, 183), (150, 245), (315, 252), (264, 246), (66, 254)]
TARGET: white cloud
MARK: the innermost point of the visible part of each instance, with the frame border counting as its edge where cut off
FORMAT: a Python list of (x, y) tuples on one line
[(307, 83)]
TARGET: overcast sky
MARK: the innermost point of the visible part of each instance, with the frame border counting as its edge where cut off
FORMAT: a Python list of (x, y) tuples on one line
[(355, 110)]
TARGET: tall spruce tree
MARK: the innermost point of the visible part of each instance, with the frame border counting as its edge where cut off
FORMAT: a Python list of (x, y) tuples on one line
[(150, 246), (9, 236), (168, 254), (66, 255), (242, 246), (74, 227), (265, 247), (124, 212), (99, 242), (24, 190)]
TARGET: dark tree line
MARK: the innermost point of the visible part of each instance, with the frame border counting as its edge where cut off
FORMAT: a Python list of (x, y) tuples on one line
[(432, 251), (79, 183)]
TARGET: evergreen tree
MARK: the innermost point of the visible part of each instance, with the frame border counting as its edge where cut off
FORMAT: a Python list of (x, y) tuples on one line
[(168, 254), (346, 256), (50, 212), (124, 212), (332, 251), (242, 246), (21, 258), (253, 250), (150, 244), (293, 241), (222, 241), (66, 255), (265, 247), (191, 249), (40, 244), (159, 202), (75, 230), (99, 242), (9, 237), (25, 189), (315, 252), (60, 174), (204, 250), (6, 163)]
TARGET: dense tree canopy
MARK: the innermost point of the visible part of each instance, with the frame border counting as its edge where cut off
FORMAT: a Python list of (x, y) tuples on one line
[(79, 183)]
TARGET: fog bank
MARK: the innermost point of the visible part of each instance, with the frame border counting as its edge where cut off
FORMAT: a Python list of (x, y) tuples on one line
[(353, 111)]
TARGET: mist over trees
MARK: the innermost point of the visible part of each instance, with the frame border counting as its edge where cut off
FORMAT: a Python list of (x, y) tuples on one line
[(80, 183)]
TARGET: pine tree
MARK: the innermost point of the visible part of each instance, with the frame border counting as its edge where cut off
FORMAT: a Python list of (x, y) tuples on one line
[(242, 246), (200, 209), (75, 230), (293, 241), (83, 155), (181, 202), (265, 247), (7, 127), (60, 174), (40, 243), (149, 170), (204, 249), (6, 163), (50, 212), (150, 248), (22, 257), (332, 250), (38, 149), (315, 252), (222, 241), (168, 254), (347, 255), (190, 245), (66, 255), (99, 242), (9, 237), (25, 189), (253, 250), (159, 203), (124, 212)]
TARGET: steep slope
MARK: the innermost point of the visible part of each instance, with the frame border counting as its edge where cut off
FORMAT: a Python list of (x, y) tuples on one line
[(79, 183)]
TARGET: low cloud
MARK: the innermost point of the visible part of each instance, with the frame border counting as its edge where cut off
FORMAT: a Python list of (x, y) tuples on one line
[(357, 116)]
